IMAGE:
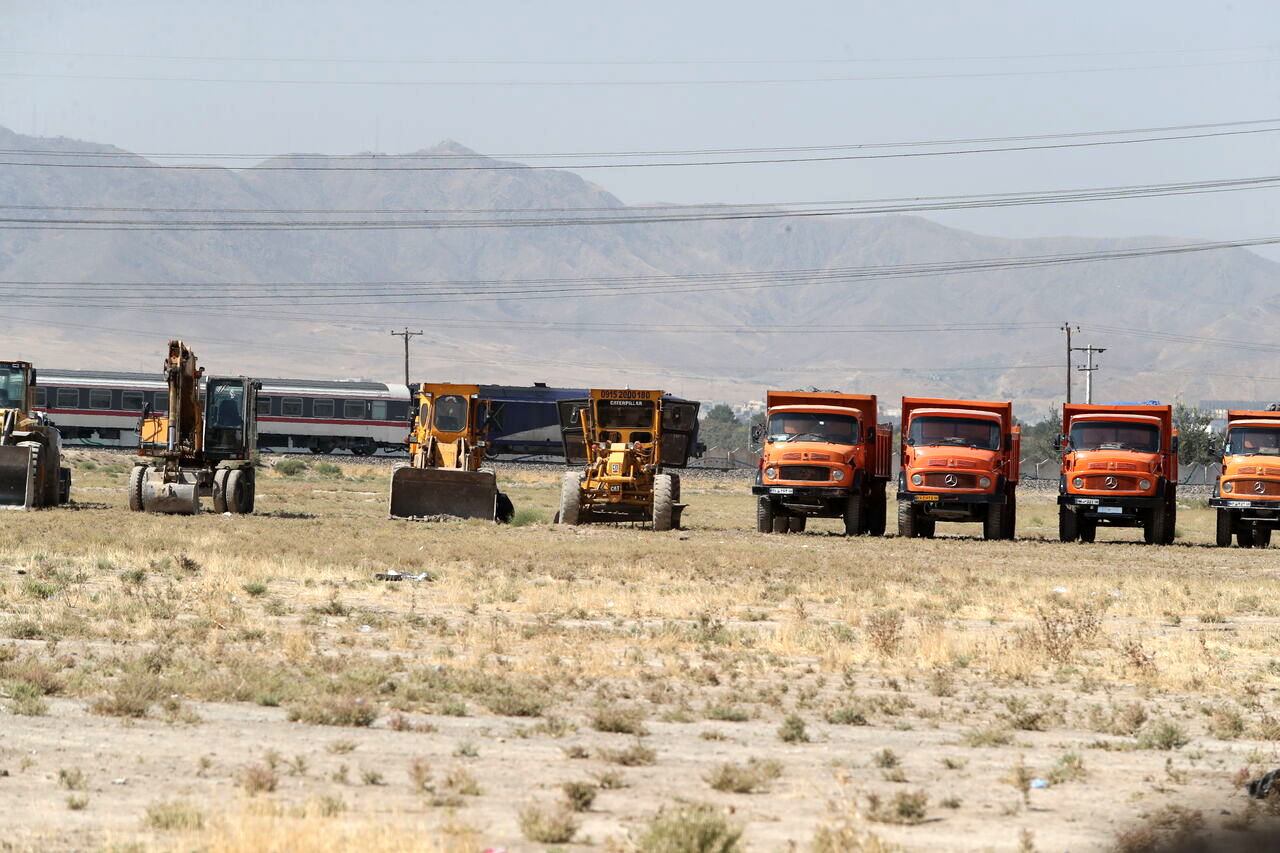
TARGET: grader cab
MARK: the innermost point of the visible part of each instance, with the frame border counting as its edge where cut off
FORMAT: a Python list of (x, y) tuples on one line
[(31, 472), (199, 448), (625, 441), (447, 442)]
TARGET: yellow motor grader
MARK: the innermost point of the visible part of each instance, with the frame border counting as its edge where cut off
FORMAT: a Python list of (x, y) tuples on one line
[(447, 442), (626, 440), (202, 447), (31, 472)]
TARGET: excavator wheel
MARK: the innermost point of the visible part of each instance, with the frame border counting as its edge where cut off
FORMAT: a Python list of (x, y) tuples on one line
[(220, 490), (854, 516), (993, 526), (1068, 524), (764, 514), (251, 489), (571, 498), (235, 491), (663, 501), (1224, 528), (504, 510), (64, 485), (136, 478), (796, 523)]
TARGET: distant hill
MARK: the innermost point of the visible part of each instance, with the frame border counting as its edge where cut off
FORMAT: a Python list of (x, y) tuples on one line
[(1228, 294)]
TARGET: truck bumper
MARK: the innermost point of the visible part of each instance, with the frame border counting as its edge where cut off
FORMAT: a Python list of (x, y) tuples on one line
[(943, 499), (1120, 511), (785, 492), (1267, 511)]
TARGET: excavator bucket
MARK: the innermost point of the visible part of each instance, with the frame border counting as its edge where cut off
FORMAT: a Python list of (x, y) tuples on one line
[(424, 492), (18, 476)]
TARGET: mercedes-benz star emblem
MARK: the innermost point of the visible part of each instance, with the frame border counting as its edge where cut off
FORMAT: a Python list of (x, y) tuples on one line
[(951, 480), (1260, 487), (1110, 482)]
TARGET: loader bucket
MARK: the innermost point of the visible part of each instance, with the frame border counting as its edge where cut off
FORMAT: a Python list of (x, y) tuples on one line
[(18, 477), (424, 492)]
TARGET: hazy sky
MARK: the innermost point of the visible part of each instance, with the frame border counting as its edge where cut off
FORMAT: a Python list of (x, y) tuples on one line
[(1206, 62)]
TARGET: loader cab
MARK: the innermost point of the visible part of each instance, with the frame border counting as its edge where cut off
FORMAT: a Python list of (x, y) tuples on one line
[(230, 409)]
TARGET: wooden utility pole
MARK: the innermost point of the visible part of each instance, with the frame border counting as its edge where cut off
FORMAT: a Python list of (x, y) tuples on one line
[(406, 334)]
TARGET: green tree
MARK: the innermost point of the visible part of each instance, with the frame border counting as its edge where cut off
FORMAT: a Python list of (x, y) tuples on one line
[(721, 428), (1038, 438), (1197, 444)]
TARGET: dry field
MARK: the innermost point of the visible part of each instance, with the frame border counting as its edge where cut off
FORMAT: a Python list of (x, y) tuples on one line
[(244, 683)]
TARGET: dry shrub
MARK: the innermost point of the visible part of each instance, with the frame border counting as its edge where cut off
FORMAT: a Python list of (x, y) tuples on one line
[(132, 695), (750, 778), (334, 711), (884, 630), (173, 815), (904, 807), (258, 779), (548, 826), (619, 720), (636, 755), (689, 828), (1060, 629)]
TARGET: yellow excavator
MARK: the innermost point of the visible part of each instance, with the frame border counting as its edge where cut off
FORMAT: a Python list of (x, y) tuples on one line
[(200, 447), (447, 441), (31, 472), (626, 440)]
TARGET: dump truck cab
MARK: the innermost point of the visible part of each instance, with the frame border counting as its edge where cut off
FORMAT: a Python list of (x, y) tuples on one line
[(1119, 469), (959, 463), (625, 440), (31, 470), (823, 456), (1247, 492), (448, 438)]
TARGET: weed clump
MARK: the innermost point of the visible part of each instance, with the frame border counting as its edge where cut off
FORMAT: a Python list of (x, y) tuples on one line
[(335, 711), (750, 778), (547, 826), (175, 815), (793, 730), (693, 828), (627, 721)]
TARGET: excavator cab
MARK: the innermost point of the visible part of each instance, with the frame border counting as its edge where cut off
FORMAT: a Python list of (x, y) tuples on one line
[(230, 432), (447, 441), (31, 472)]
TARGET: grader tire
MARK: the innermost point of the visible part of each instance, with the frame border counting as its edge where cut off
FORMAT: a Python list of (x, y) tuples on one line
[(136, 478), (663, 501), (764, 514), (571, 499), (1068, 524), (1224, 528), (855, 518)]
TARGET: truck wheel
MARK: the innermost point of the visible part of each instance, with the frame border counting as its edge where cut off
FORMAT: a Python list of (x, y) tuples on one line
[(1261, 537), (571, 498), (1170, 524), (663, 501), (764, 514), (1010, 530), (781, 523), (1154, 532), (504, 510), (1088, 529), (925, 526), (993, 525), (136, 478), (854, 516), (907, 520), (1068, 524), (879, 511), (795, 524), (1224, 528), (1244, 537)]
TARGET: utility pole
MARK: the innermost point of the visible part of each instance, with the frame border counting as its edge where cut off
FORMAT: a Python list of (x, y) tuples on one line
[(1067, 327), (406, 334), (1088, 371)]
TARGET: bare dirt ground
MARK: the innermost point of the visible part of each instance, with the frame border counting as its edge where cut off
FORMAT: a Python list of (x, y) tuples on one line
[(219, 683)]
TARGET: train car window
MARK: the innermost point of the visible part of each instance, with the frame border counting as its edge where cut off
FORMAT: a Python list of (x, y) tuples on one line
[(131, 401), (291, 406), (380, 410), (99, 398), (353, 409), (161, 403), (68, 398), (40, 398), (321, 408), (264, 406)]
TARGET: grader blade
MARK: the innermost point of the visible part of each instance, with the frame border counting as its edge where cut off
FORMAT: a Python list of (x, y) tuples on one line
[(18, 475), (424, 492)]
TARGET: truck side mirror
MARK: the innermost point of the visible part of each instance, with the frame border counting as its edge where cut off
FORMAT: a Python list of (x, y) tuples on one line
[(1060, 443), (757, 432)]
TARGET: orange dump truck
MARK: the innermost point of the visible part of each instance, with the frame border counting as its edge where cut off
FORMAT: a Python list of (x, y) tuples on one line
[(959, 463), (1119, 468), (824, 456), (1247, 494)]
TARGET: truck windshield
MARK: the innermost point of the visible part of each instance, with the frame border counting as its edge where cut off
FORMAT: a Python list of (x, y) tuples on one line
[(813, 426), (961, 432), (1115, 435), (13, 388), (1253, 441), (626, 414)]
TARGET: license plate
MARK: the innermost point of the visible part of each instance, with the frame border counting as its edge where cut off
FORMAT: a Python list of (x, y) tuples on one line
[(1111, 510), (926, 497), (1244, 504), (782, 491), (1086, 501)]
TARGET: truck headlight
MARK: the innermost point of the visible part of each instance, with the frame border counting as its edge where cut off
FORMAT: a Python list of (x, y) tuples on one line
[(837, 475), (1228, 486), (1078, 482), (917, 480), (1144, 484), (985, 482), (771, 473)]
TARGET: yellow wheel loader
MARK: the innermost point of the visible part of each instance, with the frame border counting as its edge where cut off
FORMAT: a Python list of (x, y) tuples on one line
[(31, 472), (447, 441), (202, 447), (626, 441)]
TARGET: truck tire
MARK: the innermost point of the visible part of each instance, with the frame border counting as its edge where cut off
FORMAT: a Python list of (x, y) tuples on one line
[(1261, 537), (571, 498), (1244, 537), (136, 477), (925, 526), (1171, 524), (993, 525), (504, 510), (1224, 528), (663, 501), (1010, 529), (764, 514), (1068, 524), (1155, 531), (878, 515), (855, 521), (1088, 529), (795, 524), (908, 520)]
